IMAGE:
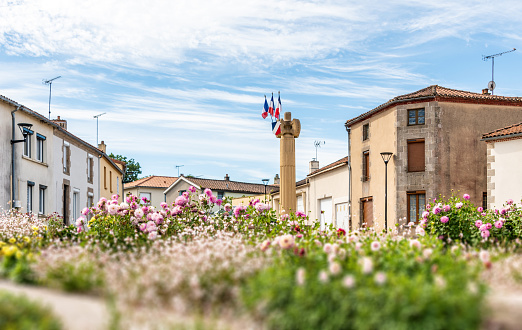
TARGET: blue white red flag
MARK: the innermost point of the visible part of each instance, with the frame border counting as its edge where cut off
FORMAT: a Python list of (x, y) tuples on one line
[(265, 110), (278, 109), (271, 107), (276, 127)]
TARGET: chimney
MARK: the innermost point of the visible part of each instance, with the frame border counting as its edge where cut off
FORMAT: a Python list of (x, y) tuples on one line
[(314, 165), (485, 91), (227, 178), (103, 147), (276, 179), (62, 123)]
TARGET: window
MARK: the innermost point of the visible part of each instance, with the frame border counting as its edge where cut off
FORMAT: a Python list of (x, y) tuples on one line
[(27, 142), (76, 204), (181, 192), (366, 132), (367, 212), (484, 200), (90, 168), (30, 186), (366, 166), (416, 117), (41, 208), (146, 195), (117, 185), (220, 194), (40, 147), (416, 205), (66, 157), (110, 181), (416, 157), (90, 202), (105, 177)]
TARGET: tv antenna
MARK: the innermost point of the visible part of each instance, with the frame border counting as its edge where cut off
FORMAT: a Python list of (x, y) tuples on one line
[(317, 144), (50, 83), (96, 117), (178, 166), (491, 84)]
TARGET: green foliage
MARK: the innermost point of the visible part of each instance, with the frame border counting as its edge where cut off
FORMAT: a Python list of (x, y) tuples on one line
[(132, 168), (18, 312), (420, 291)]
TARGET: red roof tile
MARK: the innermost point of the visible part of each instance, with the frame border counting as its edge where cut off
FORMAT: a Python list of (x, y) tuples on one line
[(505, 132), (153, 181), (233, 186), (329, 166), (439, 93)]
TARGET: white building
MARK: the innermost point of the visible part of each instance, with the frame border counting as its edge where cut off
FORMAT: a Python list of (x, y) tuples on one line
[(504, 165), (54, 170)]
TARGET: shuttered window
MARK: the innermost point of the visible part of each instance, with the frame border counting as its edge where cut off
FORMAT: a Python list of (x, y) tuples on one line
[(416, 205), (366, 166), (416, 156), (367, 212), (366, 132)]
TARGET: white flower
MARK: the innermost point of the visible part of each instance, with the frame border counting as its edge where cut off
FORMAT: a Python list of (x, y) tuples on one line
[(375, 246), (349, 281), (380, 278), (300, 276), (286, 241), (323, 276), (334, 268), (367, 265), (415, 244)]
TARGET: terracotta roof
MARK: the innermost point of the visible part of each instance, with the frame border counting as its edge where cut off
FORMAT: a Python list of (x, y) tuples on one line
[(117, 161), (232, 186), (297, 184), (439, 93), (329, 166), (506, 132), (152, 181)]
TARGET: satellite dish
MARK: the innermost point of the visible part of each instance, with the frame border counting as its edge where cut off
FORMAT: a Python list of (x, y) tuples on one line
[(491, 85)]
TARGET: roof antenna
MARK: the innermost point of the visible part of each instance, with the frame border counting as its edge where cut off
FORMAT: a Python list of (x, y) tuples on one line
[(178, 166), (317, 144), (491, 84), (50, 83)]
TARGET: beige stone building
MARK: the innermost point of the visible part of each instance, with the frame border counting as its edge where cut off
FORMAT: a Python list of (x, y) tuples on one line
[(151, 187), (504, 164), (112, 172), (434, 136)]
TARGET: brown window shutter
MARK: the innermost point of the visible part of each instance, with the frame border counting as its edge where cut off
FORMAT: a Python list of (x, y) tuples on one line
[(416, 162)]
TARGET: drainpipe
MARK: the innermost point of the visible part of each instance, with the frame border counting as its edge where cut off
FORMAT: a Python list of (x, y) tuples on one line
[(348, 129), (13, 182)]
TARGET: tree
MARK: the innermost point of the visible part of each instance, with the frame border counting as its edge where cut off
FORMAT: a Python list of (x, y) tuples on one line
[(133, 168)]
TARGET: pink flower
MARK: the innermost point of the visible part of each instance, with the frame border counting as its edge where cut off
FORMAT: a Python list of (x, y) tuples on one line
[(509, 202), (415, 244), (180, 200), (436, 210), (219, 202), (367, 265), (428, 207), (207, 192), (300, 214), (115, 197), (459, 205), (485, 234), (446, 208), (176, 210), (444, 219), (85, 211), (334, 268), (300, 276), (425, 214), (503, 211), (228, 207), (163, 205), (348, 281), (483, 227), (478, 223), (480, 209), (80, 230), (466, 197), (498, 224), (284, 217), (323, 276), (380, 278), (80, 221), (143, 226), (138, 213), (113, 209), (265, 245), (286, 241), (213, 199), (375, 246), (153, 235), (192, 189)]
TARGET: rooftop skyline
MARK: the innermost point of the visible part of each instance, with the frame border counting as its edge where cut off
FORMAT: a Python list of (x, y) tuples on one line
[(183, 83)]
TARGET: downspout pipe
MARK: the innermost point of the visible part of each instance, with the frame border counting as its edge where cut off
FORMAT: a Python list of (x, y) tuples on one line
[(13, 167), (348, 130)]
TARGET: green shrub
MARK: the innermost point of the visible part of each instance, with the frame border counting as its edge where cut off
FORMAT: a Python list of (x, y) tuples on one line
[(18, 312)]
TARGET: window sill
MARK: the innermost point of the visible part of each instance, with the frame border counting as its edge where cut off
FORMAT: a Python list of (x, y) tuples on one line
[(35, 161)]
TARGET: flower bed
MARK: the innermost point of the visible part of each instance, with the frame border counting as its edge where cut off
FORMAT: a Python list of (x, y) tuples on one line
[(284, 272)]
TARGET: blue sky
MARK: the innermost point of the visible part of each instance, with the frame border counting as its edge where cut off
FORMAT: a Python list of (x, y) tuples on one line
[(183, 82)]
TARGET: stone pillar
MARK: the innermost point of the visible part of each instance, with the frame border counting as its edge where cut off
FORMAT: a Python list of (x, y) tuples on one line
[(290, 129)]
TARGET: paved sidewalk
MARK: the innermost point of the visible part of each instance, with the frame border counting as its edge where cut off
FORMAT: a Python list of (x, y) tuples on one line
[(77, 312)]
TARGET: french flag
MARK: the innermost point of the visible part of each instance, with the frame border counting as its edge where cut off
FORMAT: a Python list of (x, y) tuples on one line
[(276, 127), (265, 110), (271, 107), (278, 109)]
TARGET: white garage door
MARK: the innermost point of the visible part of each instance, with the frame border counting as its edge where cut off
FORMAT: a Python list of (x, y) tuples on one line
[(326, 212), (341, 215)]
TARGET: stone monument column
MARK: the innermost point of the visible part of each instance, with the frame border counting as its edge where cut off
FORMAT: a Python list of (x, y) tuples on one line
[(290, 129)]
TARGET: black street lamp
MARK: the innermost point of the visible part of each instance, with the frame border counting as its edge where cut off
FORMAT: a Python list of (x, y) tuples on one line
[(265, 182), (386, 156), (22, 127)]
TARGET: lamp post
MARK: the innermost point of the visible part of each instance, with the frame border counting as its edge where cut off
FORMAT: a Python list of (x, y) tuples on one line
[(265, 182), (386, 156)]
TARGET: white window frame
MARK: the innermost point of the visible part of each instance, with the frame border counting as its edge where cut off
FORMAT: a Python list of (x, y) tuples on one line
[(30, 186), (76, 203)]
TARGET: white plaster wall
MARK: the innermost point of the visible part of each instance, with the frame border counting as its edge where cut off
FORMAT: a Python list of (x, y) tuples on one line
[(508, 172), (26, 168), (331, 184), (77, 176)]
